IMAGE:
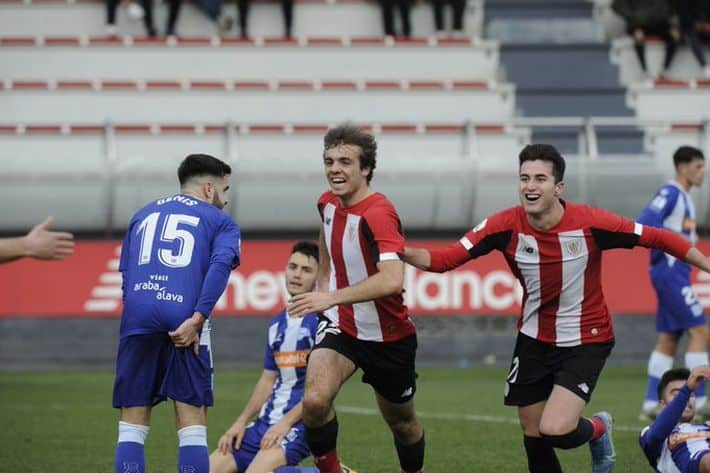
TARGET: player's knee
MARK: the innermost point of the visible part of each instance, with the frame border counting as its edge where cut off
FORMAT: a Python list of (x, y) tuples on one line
[(704, 464), (316, 406), (554, 429), (221, 463)]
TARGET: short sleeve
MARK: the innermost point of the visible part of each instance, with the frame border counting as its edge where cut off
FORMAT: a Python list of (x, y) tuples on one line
[(613, 231), (227, 244), (383, 229), (125, 249), (660, 207), (492, 233), (322, 200)]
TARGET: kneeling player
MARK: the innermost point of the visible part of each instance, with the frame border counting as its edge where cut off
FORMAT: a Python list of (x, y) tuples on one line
[(672, 444), (275, 438)]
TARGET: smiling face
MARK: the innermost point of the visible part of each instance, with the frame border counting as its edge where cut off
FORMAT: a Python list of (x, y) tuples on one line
[(342, 170), (538, 191), (671, 391), (300, 273)]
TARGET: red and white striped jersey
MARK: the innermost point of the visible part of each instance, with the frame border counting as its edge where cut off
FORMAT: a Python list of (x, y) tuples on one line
[(358, 238), (559, 269)]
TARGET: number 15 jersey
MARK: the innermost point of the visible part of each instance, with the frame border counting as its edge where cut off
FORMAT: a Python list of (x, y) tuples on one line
[(169, 247)]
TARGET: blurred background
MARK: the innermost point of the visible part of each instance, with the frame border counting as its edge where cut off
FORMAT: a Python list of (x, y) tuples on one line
[(99, 102)]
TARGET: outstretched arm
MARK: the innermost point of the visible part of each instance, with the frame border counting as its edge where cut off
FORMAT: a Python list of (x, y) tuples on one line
[(39, 243), (438, 260)]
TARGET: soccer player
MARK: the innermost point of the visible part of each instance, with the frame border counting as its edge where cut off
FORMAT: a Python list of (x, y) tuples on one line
[(678, 309), (565, 334), (176, 259), (276, 438), (672, 444), (365, 323), (39, 243)]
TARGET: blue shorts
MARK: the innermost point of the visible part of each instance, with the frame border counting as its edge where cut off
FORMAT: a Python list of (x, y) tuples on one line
[(294, 445), (150, 369), (678, 308)]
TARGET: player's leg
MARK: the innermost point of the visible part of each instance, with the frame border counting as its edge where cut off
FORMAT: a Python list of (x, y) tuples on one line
[(390, 368), (704, 462), (407, 431), (329, 366), (660, 361), (577, 370), (140, 367), (697, 355), (528, 385), (267, 460), (222, 463), (540, 453), (191, 422)]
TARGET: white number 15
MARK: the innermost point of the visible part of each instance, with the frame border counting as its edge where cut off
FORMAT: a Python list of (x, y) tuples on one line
[(169, 234)]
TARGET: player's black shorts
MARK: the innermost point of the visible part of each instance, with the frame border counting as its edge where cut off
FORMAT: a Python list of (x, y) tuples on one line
[(538, 366), (387, 366)]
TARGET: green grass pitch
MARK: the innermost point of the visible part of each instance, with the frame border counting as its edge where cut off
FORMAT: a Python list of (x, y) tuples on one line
[(62, 422)]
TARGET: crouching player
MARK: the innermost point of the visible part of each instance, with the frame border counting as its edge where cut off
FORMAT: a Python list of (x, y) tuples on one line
[(672, 444), (275, 438)]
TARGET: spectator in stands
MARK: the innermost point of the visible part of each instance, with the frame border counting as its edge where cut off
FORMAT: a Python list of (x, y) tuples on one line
[(457, 10), (214, 11), (695, 25), (147, 7), (243, 15), (404, 7), (649, 18), (39, 243)]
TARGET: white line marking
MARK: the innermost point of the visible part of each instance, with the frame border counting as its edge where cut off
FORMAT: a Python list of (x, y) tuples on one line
[(366, 411)]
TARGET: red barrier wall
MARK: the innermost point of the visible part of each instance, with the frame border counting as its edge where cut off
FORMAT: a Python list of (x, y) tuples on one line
[(88, 284)]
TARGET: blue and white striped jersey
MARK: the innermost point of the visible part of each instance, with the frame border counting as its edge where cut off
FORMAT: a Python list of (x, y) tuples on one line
[(289, 341), (671, 447), (671, 208)]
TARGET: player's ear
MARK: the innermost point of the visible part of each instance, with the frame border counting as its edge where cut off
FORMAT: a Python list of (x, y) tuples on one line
[(559, 187), (208, 189)]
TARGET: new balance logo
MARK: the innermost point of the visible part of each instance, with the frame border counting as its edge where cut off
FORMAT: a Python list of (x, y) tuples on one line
[(584, 388), (407, 392)]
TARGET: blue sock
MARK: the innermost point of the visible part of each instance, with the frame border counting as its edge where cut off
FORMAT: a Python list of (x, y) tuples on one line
[(130, 451), (193, 456)]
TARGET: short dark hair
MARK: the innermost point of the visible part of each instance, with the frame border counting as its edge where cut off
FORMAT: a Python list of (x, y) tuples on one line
[(307, 248), (348, 134), (686, 154), (543, 152), (202, 165), (675, 374)]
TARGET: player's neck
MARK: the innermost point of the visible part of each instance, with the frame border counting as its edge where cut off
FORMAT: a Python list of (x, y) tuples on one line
[(544, 221), (683, 183), (195, 194), (356, 197)]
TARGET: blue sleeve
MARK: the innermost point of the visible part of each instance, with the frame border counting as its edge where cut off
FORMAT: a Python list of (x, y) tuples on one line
[(653, 437), (269, 361), (659, 208), (212, 288), (123, 262), (226, 247)]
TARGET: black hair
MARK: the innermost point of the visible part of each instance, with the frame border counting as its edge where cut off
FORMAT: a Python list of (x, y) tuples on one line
[(543, 152), (686, 154), (307, 248), (195, 165), (675, 374), (348, 134)]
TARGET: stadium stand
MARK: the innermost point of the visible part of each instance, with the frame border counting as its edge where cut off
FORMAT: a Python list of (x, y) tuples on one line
[(690, 100), (141, 157), (333, 58), (311, 17), (254, 101)]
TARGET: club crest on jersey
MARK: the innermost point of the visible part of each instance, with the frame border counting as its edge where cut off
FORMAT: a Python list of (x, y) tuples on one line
[(574, 247)]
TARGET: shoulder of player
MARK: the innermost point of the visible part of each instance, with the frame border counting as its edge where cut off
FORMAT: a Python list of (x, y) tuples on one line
[(379, 203), (326, 197), (506, 219)]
